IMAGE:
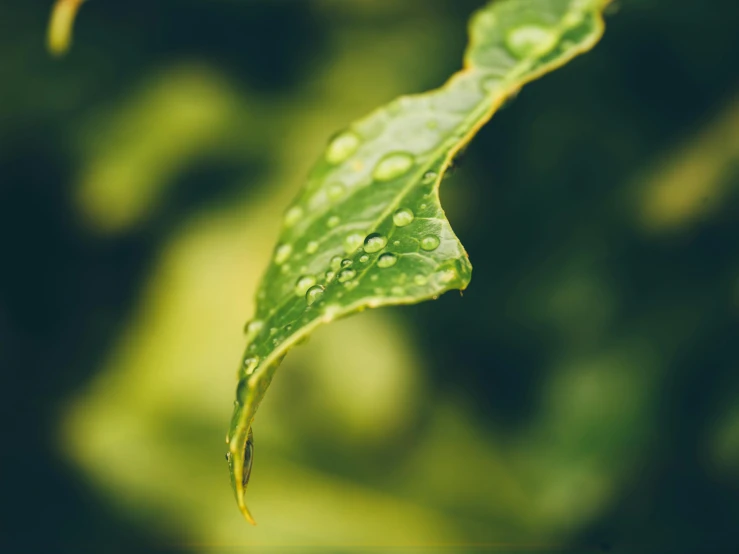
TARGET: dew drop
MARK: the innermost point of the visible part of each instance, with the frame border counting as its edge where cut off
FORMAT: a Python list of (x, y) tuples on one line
[(293, 215), (341, 147), (282, 253), (303, 284), (312, 247), (346, 275), (374, 243), (346, 263), (335, 263), (531, 41), (250, 364), (330, 275), (420, 280), (251, 329), (387, 260), (430, 242), (364, 258), (396, 242), (429, 177), (333, 221), (352, 242), (403, 217), (335, 191), (393, 166), (314, 294)]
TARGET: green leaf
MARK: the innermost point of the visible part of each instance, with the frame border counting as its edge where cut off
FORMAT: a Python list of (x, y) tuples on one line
[(368, 230)]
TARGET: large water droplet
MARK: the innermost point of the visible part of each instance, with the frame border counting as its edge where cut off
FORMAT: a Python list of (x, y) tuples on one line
[(250, 364), (374, 243), (333, 221), (341, 147), (303, 284), (430, 242), (293, 215), (311, 247), (251, 329), (530, 41), (282, 253), (346, 275), (352, 242), (393, 166), (314, 294), (335, 263), (387, 260), (403, 217)]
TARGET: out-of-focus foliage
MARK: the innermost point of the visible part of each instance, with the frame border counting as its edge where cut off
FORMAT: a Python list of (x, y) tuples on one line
[(367, 230), (582, 393), (60, 25)]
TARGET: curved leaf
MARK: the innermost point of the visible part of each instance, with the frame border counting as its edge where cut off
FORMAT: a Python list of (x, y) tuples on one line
[(368, 230)]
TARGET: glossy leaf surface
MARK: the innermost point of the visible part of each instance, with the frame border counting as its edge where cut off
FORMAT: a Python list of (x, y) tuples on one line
[(368, 229)]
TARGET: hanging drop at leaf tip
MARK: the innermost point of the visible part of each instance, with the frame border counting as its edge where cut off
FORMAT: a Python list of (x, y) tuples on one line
[(59, 35)]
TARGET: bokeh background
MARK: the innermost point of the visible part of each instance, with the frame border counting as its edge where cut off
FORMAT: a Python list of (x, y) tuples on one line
[(583, 394)]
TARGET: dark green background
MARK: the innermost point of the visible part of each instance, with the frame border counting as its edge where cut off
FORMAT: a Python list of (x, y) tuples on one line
[(545, 197)]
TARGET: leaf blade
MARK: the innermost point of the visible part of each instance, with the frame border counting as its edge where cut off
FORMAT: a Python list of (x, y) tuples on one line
[(368, 229)]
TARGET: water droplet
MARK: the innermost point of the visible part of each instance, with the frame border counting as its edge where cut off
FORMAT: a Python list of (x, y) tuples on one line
[(251, 329), (374, 243), (293, 215), (314, 294), (336, 263), (430, 242), (429, 177), (396, 242), (282, 253), (364, 258), (387, 260), (341, 147), (393, 166), (228, 457), (346, 263), (373, 277), (312, 247), (330, 275), (333, 221), (346, 275), (250, 364), (352, 242), (420, 280), (403, 217), (303, 284), (335, 191), (530, 41)]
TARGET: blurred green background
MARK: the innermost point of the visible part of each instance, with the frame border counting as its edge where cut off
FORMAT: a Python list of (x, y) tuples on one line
[(583, 394)]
